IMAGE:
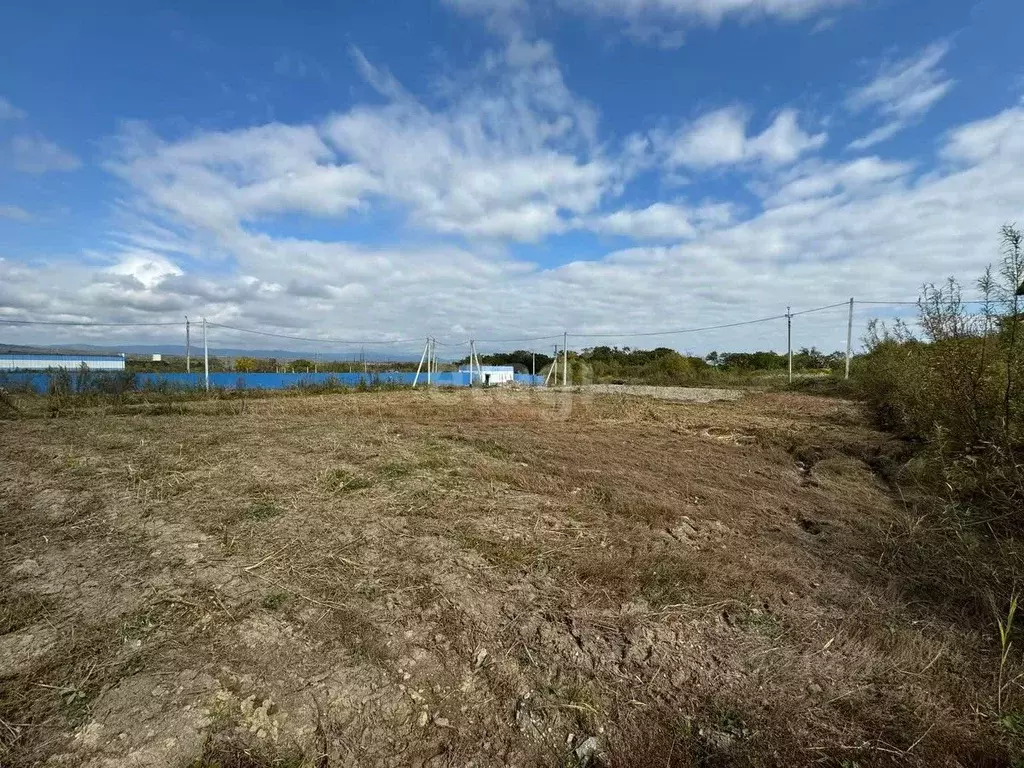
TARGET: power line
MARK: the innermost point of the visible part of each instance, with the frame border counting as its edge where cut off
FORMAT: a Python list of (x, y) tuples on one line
[(516, 341), (680, 330), (83, 324), (819, 309), (553, 337), (919, 302)]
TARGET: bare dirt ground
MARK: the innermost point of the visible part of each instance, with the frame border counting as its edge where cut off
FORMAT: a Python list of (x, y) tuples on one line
[(469, 579)]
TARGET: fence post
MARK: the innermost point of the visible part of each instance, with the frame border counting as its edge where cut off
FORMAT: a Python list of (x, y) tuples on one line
[(849, 339)]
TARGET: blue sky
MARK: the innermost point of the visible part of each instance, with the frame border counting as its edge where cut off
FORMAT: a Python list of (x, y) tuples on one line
[(504, 168)]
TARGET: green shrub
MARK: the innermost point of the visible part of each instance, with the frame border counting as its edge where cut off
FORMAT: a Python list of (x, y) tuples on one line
[(960, 388)]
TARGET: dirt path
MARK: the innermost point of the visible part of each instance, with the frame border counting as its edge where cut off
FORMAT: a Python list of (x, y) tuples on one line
[(433, 579)]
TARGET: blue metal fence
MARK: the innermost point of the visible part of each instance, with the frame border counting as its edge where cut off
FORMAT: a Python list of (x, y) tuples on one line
[(97, 380)]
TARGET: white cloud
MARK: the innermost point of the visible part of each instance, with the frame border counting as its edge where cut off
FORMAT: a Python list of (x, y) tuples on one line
[(720, 138), (901, 92), (821, 180), (511, 156), (8, 111), (877, 136), (664, 221), (147, 268), (986, 139), (214, 181), (512, 160), (35, 154), (14, 213), (708, 12), (656, 22)]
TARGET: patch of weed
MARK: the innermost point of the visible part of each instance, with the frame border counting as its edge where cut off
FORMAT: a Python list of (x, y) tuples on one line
[(137, 626), (668, 582), (513, 554), (275, 600), (263, 510), (232, 749), (20, 609), (344, 481), (756, 620), (393, 470)]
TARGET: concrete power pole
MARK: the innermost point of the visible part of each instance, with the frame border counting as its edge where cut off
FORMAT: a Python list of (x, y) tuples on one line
[(565, 358), (849, 339), (206, 358), (789, 341), (188, 348), (423, 357)]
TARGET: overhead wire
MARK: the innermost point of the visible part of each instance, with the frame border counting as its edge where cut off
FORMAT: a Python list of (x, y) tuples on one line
[(820, 309), (624, 334), (83, 323)]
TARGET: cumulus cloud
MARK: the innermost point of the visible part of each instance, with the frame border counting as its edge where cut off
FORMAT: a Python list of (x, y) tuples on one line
[(984, 139), (214, 181), (820, 180), (901, 92), (720, 138), (513, 155), (507, 158), (664, 221), (36, 154)]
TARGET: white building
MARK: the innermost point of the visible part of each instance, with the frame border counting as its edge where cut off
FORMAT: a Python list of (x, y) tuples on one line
[(491, 374), (33, 361)]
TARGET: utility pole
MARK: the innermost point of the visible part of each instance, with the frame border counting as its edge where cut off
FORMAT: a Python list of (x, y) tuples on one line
[(206, 358), (565, 358), (849, 339), (789, 341), (533, 368), (423, 357), (188, 348), (430, 358)]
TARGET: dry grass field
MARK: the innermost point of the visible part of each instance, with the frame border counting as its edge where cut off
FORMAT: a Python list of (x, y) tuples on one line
[(472, 579)]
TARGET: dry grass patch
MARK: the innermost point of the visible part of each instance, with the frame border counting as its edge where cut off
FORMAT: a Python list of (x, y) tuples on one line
[(443, 578)]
